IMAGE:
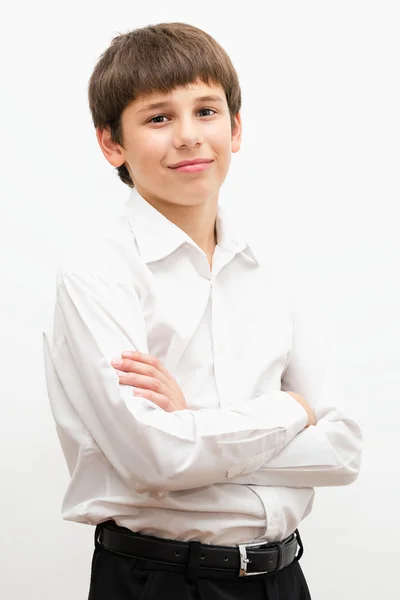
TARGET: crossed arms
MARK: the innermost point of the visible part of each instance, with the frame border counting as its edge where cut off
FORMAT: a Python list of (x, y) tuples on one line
[(262, 441)]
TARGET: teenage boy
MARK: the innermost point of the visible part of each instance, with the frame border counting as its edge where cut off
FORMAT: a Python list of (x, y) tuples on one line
[(188, 452)]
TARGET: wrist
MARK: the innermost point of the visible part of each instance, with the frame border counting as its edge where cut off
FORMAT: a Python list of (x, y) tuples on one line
[(312, 419)]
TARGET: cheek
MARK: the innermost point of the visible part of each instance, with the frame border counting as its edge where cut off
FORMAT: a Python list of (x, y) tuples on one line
[(152, 149), (223, 147), (156, 138), (221, 141)]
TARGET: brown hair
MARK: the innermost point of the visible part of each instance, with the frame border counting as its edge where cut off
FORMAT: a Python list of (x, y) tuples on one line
[(156, 58)]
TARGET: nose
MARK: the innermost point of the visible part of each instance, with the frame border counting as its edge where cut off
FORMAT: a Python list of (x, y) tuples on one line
[(187, 133)]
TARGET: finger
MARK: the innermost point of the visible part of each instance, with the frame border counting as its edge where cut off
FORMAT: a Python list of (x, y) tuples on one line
[(148, 359), (143, 382), (158, 399), (131, 366)]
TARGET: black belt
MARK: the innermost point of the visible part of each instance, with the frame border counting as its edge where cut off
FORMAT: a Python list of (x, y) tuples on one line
[(240, 560)]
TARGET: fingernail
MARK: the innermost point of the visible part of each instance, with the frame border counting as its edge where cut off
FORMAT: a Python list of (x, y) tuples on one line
[(120, 373), (117, 362)]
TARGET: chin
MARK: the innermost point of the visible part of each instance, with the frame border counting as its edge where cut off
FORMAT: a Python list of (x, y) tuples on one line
[(195, 194)]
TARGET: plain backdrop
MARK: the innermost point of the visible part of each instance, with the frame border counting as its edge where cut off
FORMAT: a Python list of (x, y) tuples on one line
[(317, 185)]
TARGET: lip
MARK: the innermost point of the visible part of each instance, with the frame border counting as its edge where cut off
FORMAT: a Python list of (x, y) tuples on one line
[(193, 168), (195, 161)]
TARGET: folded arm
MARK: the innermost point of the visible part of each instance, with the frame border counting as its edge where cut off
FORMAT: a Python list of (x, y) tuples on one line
[(328, 454), (150, 449)]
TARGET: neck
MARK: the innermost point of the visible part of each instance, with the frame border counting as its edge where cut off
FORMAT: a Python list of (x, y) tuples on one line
[(198, 221)]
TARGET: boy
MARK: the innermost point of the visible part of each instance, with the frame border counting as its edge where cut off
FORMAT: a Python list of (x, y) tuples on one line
[(174, 350)]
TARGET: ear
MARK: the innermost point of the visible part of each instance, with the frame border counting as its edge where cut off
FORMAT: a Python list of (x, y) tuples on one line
[(113, 152), (237, 133)]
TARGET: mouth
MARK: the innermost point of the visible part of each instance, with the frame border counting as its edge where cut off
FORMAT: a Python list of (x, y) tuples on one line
[(192, 166)]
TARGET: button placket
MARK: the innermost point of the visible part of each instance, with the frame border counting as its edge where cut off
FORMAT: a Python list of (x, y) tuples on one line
[(219, 343)]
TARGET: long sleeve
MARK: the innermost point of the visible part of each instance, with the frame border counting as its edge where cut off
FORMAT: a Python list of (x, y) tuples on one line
[(328, 454), (149, 448)]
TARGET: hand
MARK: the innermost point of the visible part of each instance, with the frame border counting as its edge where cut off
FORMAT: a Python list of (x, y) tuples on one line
[(311, 414), (146, 372)]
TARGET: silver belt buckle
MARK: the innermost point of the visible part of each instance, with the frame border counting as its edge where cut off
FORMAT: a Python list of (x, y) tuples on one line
[(244, 561)]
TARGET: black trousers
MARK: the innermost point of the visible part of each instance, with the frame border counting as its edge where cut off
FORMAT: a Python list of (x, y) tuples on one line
[(119, 577)]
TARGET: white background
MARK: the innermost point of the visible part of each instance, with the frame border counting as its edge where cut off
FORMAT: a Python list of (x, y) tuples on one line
[(317, 183)]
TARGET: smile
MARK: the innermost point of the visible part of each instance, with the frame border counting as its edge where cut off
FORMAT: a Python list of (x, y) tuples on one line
[(193, 168)]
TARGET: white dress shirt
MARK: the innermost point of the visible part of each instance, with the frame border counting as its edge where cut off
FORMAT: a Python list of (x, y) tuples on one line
[(238, 465)]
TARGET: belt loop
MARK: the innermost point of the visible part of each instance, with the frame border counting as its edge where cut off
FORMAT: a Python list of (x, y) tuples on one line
[(300, 543), (97, 532), (193, 566), (280, 555)]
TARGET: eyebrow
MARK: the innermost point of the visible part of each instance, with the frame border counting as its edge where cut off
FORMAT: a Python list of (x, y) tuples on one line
[(164, 103)]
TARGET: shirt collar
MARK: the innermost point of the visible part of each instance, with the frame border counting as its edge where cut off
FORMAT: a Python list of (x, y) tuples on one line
[(157, 236)]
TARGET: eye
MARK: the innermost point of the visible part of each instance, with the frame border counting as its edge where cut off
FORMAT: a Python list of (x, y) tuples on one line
[(157, 117), (201, 110), (152, 120)]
